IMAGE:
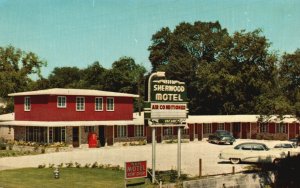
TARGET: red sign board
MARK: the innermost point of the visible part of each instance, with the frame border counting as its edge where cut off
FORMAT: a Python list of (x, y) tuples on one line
[(137, 169)]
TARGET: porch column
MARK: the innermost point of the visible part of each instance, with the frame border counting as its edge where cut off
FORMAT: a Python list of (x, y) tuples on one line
[(288, 130), (47, 135)]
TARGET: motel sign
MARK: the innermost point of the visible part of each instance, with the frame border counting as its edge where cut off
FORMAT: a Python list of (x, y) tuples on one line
[(168, 100), (137, 169)]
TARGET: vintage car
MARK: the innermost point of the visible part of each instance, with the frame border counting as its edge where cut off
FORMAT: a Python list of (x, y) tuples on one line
[(288, 148), (251, 152), (221, 137), (296, 141)]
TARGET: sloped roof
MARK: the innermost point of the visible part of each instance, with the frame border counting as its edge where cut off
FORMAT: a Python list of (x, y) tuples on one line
[(65, 123), (63, 91)]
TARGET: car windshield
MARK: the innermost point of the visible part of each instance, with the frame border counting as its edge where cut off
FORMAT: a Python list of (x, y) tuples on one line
[(257, 147), (222, 133)]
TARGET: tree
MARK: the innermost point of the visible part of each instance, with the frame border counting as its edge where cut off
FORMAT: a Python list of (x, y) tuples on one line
[(65, 77), (289, 74), (182, 52), (124, 76), (16, 67), (93, 77)]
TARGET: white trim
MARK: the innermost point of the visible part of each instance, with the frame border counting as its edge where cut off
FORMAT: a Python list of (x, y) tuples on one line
[(288, 131), (66, 123), (47, 135), (65, 106), (83, 105), (113, 100), (76, 92), (97, 110), (194, 132)]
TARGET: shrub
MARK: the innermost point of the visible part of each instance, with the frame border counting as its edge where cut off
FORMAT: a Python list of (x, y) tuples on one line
[(69, 165), (60, 165), (95, 165), (100, 166), (51, 165), (42, 166), (87, 165), (77, 165)]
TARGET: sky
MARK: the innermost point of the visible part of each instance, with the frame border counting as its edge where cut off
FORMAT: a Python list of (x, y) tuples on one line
[(80, 32)]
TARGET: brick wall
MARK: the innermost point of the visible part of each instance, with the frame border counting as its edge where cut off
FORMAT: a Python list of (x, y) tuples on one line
[(20, 133)]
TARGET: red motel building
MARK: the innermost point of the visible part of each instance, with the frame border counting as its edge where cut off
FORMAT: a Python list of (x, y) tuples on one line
[(73, 115)]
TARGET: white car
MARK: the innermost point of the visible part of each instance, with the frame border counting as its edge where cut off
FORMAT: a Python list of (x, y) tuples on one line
[(288, 148), (251, 152)]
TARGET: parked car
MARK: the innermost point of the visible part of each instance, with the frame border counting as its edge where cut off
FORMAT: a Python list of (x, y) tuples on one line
[(288, 147), (221, 137), (296, 141), (251, 152)]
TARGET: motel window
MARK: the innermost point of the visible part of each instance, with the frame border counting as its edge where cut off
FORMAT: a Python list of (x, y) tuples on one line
[(57, 134), (139, 130), (122, 131), (98, 104), (221, 126), (206, 128), (280, 128), (36, 134), (79, 103), (185, 131), (263, 127), (27, 105), (168, 131), (61, 102), (110, 104)]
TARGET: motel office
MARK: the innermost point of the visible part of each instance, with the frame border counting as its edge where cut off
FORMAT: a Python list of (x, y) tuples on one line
[(69, 115)]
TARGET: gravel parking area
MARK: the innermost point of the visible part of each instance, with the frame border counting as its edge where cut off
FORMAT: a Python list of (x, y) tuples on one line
[(117, 155)]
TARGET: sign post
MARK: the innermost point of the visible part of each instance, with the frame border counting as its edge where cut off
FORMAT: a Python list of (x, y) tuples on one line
[(166, 107), (157, 74), (179, 152), (153, 154)]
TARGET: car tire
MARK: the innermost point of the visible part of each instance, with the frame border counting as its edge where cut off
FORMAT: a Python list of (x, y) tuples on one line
[(231, 143), (276, 161), (235, 160)]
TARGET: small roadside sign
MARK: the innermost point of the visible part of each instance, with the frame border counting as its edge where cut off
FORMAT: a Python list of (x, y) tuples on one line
[(136, 169)]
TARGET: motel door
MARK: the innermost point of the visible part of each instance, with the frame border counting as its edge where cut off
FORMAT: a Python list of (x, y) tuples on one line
[(236, 129), (101, 136), (75, 136)]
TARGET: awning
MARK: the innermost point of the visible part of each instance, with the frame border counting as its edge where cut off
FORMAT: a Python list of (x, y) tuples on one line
[(238, 119)]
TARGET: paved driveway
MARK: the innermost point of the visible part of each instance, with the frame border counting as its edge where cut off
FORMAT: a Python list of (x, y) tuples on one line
[(117, 155)]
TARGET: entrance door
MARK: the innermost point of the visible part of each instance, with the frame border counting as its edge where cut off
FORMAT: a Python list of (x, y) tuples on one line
[(75, 137), (245, 127), (101, 136), (236, 129)]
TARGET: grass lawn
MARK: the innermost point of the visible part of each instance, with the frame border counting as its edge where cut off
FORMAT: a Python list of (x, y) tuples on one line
[(69, 177)]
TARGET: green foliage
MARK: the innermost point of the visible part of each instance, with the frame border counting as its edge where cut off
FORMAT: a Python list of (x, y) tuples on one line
[(15, 68), (227, 74), (69, 165)]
